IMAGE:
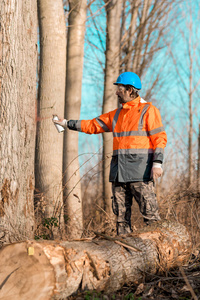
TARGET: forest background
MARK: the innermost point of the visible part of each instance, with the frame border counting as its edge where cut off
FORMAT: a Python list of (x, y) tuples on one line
[(65, 64)]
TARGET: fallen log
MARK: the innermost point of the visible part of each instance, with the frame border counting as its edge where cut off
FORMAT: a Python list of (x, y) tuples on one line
[(57, 269)]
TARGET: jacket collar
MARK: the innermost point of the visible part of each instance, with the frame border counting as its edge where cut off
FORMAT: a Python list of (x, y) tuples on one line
[(132, 103)]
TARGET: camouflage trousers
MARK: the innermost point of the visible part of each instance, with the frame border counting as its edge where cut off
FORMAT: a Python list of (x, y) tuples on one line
[(123, 193)]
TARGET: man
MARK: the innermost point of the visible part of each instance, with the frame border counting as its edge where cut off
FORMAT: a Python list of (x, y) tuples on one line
[(139, 140)]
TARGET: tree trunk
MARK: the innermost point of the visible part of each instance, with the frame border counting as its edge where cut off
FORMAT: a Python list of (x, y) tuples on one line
[(75, 51), (139, 42), (113, 10), (190, 134), (42, 270), (51, 101), (18, 55), (190, 94), (132, 31)]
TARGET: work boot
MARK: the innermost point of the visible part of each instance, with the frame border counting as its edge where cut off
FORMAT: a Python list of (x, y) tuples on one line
[(123, 228)]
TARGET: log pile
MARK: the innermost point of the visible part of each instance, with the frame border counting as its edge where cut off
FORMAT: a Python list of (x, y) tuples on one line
[(57, 269)]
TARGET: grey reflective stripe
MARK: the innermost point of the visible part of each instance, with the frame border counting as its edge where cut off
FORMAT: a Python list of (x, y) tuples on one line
[(158, 154), (156, 130), (132, 151), (140, 125), (78, 125), (159, 150), (130, 133), (116, 116), (102, 124)]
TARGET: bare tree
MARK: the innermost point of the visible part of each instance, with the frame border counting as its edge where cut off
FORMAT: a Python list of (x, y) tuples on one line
[(186, 66), (131, 33), (113, 14), (18, 54), (75, 50), (142, 38), (50, 101)]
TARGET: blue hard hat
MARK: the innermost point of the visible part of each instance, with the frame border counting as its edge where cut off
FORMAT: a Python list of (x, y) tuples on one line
[(129, 78)]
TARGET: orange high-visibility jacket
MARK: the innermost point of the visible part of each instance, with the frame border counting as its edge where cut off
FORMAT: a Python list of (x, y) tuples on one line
[(138, 138)]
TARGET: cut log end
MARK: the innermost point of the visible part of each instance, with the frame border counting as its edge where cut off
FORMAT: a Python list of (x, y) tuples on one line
[(25, 270)]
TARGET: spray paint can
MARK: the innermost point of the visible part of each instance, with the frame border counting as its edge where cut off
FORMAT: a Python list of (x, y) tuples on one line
[(58, 127)]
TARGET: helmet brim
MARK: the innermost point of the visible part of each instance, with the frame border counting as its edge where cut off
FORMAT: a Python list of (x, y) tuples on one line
[(117, 83)]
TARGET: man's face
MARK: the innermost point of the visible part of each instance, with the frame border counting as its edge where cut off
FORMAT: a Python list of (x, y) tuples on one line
[(123, 94)]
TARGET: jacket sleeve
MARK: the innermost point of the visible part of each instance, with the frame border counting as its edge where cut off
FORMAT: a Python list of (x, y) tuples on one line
[(97, 125), (156, 133)]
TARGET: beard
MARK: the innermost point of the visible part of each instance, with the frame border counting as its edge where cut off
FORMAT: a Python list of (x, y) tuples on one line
[(121, 100)]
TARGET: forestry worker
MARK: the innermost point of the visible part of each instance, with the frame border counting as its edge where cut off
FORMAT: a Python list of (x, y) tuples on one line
[(139, 140)]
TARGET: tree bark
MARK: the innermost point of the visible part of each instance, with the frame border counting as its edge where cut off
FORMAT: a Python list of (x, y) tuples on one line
[(190, 94), (139, 42), (51, 101), (113, 10), (132, 31), (42, 270), (75, 51), (18, 55)]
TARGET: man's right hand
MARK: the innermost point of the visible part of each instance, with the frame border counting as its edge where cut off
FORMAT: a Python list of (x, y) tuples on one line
[(156, 171), (62, 122)]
